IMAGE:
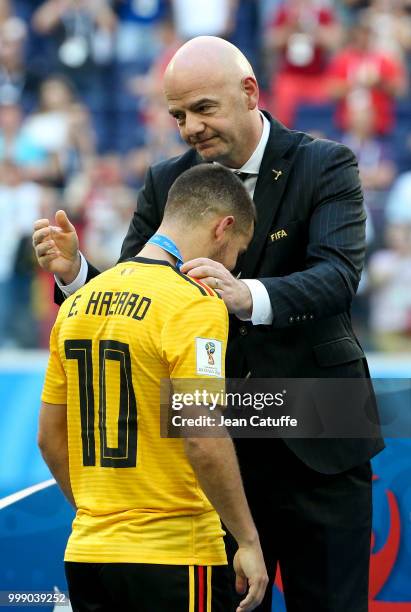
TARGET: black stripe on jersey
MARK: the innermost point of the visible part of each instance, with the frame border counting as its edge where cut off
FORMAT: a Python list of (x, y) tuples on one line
[(203, 291), (210, 290), (189, 280), (146, 260)]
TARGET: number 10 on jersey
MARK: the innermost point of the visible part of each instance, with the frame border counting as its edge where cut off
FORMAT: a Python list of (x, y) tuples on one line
[(125, 453)]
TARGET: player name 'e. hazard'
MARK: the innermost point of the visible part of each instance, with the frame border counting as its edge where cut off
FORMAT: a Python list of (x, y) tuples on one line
[(109, 303)]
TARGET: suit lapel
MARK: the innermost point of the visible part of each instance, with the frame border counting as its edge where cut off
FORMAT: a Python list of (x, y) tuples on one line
[(272, 180)]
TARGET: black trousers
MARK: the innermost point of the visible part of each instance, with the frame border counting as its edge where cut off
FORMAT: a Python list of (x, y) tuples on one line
[(316, 526), (140, 587)]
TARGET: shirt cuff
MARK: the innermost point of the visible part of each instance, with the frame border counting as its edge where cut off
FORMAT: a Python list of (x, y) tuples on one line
[(78, 282), (262, 313)]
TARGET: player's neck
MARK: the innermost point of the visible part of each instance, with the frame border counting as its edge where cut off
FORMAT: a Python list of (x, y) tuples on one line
[(153, 251)]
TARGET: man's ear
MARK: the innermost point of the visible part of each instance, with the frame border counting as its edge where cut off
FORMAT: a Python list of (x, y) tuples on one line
[(223, 225), (250, 87)]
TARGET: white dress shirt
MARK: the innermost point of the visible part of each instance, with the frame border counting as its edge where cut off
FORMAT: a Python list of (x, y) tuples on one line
[(262, 313)]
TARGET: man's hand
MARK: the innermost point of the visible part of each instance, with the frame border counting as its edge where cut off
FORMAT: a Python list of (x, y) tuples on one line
[(56, 247), (235, 293), (250, 572)]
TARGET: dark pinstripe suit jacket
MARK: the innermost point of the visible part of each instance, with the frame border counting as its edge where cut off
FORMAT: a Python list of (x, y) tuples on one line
[(308, 251)]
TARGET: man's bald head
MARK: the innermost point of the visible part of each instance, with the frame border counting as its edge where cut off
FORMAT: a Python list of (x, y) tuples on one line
[(209, 54), (212, 92)]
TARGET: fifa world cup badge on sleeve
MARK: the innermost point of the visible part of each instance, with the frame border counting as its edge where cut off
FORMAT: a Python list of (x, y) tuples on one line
[(209, 357)]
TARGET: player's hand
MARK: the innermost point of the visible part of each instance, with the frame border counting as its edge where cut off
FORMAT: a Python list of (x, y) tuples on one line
[(250, 573), (57, 247), (235, 293)]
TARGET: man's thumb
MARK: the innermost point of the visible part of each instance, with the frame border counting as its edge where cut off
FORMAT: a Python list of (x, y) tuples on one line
[(63, 221)]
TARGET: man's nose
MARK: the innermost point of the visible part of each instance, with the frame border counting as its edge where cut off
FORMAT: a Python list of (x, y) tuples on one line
[(193, 125)]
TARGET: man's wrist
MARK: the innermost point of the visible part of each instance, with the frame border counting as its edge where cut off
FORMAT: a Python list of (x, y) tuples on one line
[(79, 280), (248, 540), (261, 312), (67, 279), (246, 309)]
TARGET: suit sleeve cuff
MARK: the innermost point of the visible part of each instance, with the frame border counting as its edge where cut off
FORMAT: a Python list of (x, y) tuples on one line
[(262, 313), (78, 282)]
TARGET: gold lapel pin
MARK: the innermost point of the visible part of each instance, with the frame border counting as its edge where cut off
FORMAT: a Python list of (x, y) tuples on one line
[(277, 173)]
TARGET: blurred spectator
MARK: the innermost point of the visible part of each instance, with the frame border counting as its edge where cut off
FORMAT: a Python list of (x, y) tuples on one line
[(204, 17), (390, 281), (20, 206), (161, 138), (359, 75), (104, 203), (303, 32), (246, 32), (81, 37), (268, 8), (136, 39), (162, 141), (5, 10), (150, 85), (18, 146), (398, 208), (62, 126), (391, 25), (375, 160), (18, 81), (349, 9)]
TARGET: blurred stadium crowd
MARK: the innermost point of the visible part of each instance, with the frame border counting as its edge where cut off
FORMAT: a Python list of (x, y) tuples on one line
[(82, 116)]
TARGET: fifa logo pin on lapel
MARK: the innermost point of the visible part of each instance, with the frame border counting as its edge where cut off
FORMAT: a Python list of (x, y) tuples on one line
[(277, 174)]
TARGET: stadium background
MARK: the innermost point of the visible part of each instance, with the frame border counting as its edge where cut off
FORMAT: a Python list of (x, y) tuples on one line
[(81, 118)]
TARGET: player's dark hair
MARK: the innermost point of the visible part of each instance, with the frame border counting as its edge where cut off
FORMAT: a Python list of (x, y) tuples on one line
[(210, 189)]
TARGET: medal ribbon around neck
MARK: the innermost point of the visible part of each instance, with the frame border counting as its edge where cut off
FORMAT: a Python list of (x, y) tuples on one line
[(168, 245)]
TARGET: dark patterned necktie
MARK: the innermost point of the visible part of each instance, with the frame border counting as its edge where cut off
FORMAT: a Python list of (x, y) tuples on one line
[(243, 176)]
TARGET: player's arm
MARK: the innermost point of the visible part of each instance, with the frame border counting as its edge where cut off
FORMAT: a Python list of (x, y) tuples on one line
[(215, 464), (52, 432), (53, 443)]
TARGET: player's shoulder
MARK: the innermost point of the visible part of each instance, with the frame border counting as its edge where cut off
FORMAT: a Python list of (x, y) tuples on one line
[(193, 289), (67, 304), (84, 290)]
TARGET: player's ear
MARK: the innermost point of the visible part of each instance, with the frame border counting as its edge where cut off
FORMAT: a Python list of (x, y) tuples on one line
[(222, 225)]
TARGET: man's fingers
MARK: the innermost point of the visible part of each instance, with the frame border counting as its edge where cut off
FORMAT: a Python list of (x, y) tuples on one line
[(207, 280), (63, 221), (203, 272), (241, 584), (193, 263), (200, 262), (41, 235), (46, 260), (249, 603), (46, 248), (40, 223), (254, 596)]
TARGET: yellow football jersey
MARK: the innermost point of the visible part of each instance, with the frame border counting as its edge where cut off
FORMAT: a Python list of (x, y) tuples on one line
[(137, 496)]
